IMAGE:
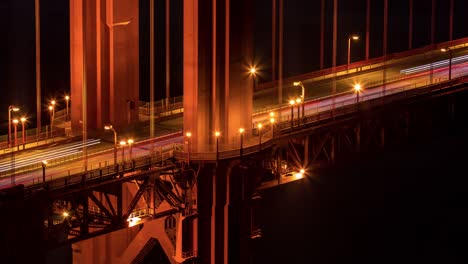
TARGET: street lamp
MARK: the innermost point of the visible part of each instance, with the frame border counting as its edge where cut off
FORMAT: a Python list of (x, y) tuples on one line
[(122, 144), (130, 143), (10, 108), (357, 89), (67, 98), (23, 131), (450, 60), (260, 135), (353, 37), (272, 120), (292, 102), (188, 135), (110, 127), (15, 124), (51, 112), (217, 134), (241, 132), (302, 95), (53, 107), (44, 164), (298, 102), (253, 73)]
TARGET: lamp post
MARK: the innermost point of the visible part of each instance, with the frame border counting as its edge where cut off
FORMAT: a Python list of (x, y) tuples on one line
[(67, 98), (353, 37), (15, 124), (357, 89), (450, 60), (241, 132), (44, 164), (23, 131), (188, 135), (217, 134), (53, 106), (260, 135), (292, 102), (253, 73), (298, 102), (51, 114), (272, 120), (10, 108), (110, 127), (130, 144), (302, 95), (122, 145)]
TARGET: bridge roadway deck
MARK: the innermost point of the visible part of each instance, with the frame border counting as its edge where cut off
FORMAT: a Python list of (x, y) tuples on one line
[(316, 109), (110, 173)]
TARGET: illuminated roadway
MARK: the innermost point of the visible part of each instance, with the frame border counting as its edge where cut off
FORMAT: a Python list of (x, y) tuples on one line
[(318, 99)]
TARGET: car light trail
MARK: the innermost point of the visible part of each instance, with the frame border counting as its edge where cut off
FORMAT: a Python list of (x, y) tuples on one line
[(67, 150), (434, 65)]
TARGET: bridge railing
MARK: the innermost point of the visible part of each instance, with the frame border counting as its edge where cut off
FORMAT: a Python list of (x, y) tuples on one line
[(251, 143), (320, 112), (162, 106), (112, 171), (374, 63), (328, 111), (163, 148), (393, 85)]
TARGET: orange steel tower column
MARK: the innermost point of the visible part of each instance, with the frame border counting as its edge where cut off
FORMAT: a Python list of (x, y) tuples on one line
[(104, 43), (218, 50)]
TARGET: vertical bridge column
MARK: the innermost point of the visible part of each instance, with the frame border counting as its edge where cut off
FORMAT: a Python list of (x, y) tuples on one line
[(218, 95), (217, 52), (104, 43)]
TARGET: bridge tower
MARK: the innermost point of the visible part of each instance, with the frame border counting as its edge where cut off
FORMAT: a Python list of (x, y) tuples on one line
[(104, 68), (218, 51), (218, 96)]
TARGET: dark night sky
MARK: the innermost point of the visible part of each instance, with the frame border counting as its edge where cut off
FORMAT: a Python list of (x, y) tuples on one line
[(301, 44), (301, 55)]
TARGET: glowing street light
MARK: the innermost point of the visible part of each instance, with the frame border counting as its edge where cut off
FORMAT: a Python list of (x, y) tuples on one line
[(298, 102), (353, 37), (130, 144), (241, 132), (110, 127), (253, 74), (52, 103), (122, 145), (357, 89), (272, 120), (15, 109), (253, 71), (302, 95), (51, 112), (450, 60), (44, 165), (23, 131), (67, 98), (259, 126), (217, 134), (15, 124), (189, 136), (291, 103)]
